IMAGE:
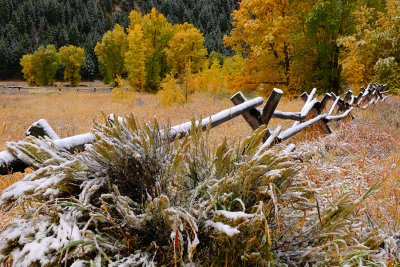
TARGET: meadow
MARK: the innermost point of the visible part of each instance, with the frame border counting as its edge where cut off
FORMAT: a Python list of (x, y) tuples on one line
[(360, 154)]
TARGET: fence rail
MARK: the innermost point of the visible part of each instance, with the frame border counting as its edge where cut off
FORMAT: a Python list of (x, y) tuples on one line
[(78, 89), (312, 112)]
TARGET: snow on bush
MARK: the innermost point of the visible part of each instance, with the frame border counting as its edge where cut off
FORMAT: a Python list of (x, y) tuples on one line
[(135, 199)]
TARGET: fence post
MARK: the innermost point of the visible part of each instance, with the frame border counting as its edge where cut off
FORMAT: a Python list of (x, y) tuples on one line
[(271, 105), (252, 116), (317, 110)]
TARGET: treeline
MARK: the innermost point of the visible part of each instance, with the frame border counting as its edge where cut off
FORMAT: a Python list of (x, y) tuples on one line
[(151, 53), (25, 25), (294, 45), (328, 44)]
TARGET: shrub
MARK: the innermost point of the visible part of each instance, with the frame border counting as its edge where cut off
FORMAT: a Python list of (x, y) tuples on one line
[(171, 92), (134, 198)]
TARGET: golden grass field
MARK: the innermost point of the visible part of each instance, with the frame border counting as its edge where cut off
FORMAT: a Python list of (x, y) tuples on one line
[(71, 113), (367, 147)]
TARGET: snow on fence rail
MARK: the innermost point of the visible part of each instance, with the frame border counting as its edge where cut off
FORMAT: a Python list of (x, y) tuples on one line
[(313, 112)]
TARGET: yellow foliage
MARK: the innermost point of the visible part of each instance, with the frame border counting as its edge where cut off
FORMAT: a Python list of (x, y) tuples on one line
[(120, 92), (40, 67), (110, 53), (134, 59), (27, 69), (187, 44), (263, 33), (72, 59), (171, 92)]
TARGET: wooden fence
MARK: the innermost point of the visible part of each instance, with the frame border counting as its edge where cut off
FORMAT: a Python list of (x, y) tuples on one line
[(82, 88), (313, 112)]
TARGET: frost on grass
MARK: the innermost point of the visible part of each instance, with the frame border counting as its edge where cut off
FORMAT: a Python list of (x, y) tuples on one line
[(135, 199)]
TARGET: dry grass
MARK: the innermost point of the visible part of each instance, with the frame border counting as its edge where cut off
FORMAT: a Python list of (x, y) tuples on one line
[(360, 154), (367, 149), (71, 113)]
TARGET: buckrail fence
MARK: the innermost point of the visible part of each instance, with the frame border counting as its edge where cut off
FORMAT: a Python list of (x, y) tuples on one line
[(78, 89), (313, 112)]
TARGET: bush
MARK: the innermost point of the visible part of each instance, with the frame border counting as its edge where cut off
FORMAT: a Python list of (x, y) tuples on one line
[(171, 92), (120, 92), (134, 198)]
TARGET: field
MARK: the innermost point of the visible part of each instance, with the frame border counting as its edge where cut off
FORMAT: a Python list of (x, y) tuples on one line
[(359, 155), (71, 113)]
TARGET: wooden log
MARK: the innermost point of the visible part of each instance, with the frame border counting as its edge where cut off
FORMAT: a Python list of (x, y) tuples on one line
[(343, 105), (315, 109), (10, 164), (183, 129), (333, 106), (296, 116), (41, 128), (339, 117), (251, 116), (347, 95), (286, 134), (269, 141), (271, 105), (216, 119), (358, 98), (324, 101)]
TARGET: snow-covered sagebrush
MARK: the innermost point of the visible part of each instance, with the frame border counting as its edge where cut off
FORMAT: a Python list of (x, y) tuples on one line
[(134, 198)]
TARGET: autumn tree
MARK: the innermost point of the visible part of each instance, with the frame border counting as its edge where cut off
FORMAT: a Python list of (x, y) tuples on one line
[(186, 47), (27, 68), (372, 51), (264, 34), (135, 59), (111, 52), (157, 32), (72, 59), (41, 66)]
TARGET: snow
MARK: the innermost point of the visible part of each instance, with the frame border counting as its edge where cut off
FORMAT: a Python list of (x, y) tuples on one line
[(138, 259), (70, 143), (269, 141), (18, 189), (111, 118), (339, 117), (307, 107), (333, 106), (42, 123), (290, 148), (6, 158), (40, 238), (223, 228), (279, 91), (287, 115), (234, 215)]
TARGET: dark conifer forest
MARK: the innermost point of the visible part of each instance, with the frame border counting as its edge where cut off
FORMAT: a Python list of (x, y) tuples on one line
[(27, 24)]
